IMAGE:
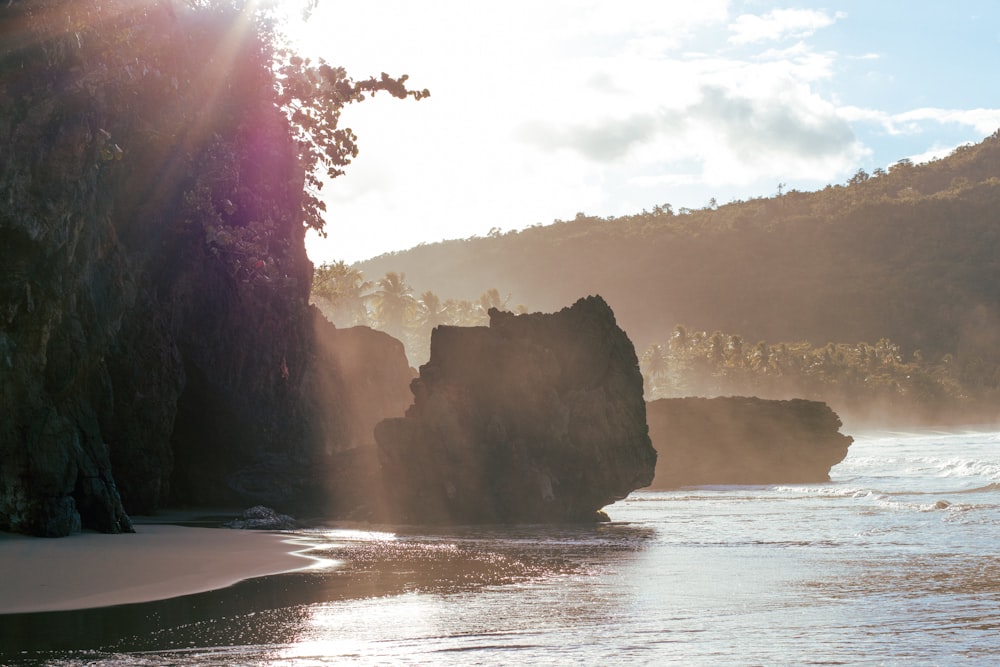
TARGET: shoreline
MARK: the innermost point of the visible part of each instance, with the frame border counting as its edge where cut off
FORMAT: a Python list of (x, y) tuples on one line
[(157, 562)]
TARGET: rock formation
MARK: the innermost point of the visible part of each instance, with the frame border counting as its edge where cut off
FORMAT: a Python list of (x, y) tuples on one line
[(156, 341), (260, 517), (703, 441), (536, 418)]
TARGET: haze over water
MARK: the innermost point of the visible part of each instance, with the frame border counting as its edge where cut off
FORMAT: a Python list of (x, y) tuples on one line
[(893, 562)]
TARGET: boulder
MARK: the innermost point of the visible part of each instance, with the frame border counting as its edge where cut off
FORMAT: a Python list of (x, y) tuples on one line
[(260, 517), (535, 418), (737, 440)]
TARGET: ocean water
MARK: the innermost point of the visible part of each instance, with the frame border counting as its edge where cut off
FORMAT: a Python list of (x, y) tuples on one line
[(896, 561)]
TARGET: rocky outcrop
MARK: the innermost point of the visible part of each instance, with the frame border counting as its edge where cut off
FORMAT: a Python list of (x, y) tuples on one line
[(735, 440), (156, 341), (536, 418), (65, 288), (280, 440), (260, 517)]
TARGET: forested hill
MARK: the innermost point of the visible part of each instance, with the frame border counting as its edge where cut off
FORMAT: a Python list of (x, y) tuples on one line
[(911, 254)]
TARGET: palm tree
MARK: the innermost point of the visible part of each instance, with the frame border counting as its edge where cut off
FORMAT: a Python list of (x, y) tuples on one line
[(657, 366), (342, 293), (718, 349), (491, 299), (430, 313), (463, 313), (734, 351), (680, 337), (394, 304), (761, 357)]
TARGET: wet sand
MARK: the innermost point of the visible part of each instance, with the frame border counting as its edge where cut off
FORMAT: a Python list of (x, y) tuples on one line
[(156, 562)]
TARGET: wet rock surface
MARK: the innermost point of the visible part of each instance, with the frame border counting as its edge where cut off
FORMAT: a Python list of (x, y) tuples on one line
[(737, 440), (260, 517), (536, 418)]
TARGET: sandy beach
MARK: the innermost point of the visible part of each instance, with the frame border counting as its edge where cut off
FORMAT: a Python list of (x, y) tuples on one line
[(156, 562)]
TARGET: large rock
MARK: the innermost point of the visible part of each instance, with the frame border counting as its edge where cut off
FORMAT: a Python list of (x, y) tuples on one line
[(735, 440), (156, 341), (260, 517), (257, 429), (537, 418)]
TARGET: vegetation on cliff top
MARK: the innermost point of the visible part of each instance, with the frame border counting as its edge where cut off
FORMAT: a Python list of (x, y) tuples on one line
[(167, 80)]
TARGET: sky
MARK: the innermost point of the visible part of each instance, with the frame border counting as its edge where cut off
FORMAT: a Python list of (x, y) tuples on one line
[(543, 110)]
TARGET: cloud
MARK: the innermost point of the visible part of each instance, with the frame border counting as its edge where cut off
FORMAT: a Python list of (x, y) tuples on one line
[(772, 126), (722, 137), (607, 141), (985, 121), (779, 24), (916, 121), (789, 120), (935, 153)]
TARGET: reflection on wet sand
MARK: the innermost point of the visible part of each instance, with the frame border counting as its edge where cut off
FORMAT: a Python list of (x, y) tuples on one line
[(461, 604), (282, 609)]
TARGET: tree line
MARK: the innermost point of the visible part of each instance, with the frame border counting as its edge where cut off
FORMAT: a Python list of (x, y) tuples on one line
[(873, 383), (867, 382), (907, 253), (390, 304)]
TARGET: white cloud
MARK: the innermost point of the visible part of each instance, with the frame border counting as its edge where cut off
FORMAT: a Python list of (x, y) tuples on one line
[(725, 136), (916, 121), (539, 110), (727, 119), (800, 62), (779, 24), (984, 121), (794, 123), (935, 153)]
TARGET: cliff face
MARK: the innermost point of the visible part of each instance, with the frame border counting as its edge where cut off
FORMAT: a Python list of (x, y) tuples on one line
[(735, 440), (66, 285), (156, 344), (536, 418)]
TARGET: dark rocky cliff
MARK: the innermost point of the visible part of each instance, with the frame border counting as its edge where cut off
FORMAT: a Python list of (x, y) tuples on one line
[(536, 418), (736, 440), (156, 343)]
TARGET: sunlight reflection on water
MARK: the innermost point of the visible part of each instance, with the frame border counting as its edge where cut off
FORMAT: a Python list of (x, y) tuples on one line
[(894, 562)]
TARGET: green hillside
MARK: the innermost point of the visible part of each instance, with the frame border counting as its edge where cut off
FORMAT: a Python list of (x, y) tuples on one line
[(911, 255)]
